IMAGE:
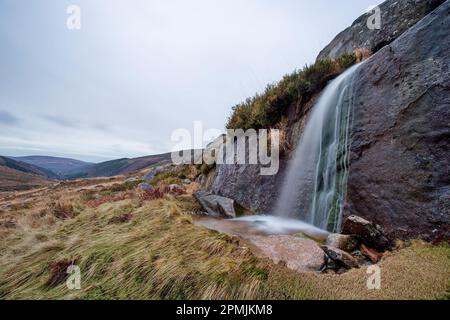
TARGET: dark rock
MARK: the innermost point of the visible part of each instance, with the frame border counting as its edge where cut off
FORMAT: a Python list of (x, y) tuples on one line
[(216, 205), (347, 243), (369, 233), (396, 18), (341, 257), (400, 141)]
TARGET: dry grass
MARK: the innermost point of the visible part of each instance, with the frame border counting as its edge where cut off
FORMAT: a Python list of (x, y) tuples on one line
[(134, 249)]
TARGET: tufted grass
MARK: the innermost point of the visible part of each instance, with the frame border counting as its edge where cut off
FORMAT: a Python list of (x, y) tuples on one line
[(134, 249)]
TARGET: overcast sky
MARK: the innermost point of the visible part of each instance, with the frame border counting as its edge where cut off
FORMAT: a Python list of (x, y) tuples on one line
[(137, 70)]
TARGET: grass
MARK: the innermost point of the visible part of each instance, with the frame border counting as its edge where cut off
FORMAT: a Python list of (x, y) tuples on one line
[(268, 109), (134, 249)]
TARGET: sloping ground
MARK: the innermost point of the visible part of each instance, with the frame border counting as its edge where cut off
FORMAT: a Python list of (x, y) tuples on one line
[(26, 168), (55, 164), (128, 248), (15, 180), (116, 167)]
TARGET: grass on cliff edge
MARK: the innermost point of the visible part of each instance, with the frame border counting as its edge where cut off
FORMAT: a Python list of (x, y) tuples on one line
[(151, 250)]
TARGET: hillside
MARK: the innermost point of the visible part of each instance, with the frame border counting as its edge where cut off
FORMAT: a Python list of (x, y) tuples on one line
[(57, 165), (130, 247), (15, 180), (116, 167), (26, 168)]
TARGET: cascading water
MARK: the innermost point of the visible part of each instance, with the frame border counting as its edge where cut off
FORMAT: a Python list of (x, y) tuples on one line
[(315, 183)]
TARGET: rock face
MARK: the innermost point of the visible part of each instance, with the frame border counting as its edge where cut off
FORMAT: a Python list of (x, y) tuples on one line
[(397, 16), (400, 150), (216, 206), (299, 254)]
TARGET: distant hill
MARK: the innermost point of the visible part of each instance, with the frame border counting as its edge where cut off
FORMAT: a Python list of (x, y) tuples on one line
[(59, 166), (27, 168), (116, 167), (17, 175)]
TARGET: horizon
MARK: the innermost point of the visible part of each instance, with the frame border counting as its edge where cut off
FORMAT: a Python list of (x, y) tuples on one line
[(66, 94)]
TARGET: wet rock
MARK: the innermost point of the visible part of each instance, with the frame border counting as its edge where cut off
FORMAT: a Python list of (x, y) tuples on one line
[(299, 254), (341, 257), (347, 243), (372, 254), (369, 233), (400, 146), (216, 205)]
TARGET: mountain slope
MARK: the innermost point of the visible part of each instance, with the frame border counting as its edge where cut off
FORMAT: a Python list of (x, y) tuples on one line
[(26, 168), (16, 175), (57, 165), (116, 167)]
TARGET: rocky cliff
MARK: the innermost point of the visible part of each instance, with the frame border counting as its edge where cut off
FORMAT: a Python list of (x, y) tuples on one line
[(396, 17), (400, 151), (399, 173)]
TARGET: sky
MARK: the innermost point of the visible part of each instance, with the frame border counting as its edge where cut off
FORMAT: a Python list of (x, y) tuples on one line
[(138, 70)]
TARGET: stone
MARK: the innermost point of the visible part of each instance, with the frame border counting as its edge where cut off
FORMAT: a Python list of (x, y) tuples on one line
[(216, 205), (131, 180), (145, 187), (341, 257), (373, 255), (298, 254), (400, 141), (347, 243), (396, 18), (369, 233), (187, 181)]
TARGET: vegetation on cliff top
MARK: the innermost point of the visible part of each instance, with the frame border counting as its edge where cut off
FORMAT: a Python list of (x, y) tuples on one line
[(266, 110)]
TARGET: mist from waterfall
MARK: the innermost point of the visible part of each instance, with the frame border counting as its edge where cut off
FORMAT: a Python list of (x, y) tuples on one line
[(315, 182)]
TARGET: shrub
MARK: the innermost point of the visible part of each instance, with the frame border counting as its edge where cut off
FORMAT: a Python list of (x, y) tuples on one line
[(266, 110), (62, 210)]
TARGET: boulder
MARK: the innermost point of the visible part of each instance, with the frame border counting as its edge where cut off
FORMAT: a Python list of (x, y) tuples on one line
[(216, 205), (369, 233), (145, 187), (347, 243), (396, 18), (340, 257), (298, 254), (400, 141)]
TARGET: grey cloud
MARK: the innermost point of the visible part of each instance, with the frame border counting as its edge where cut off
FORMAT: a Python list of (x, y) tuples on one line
[(8, 118), (60, 121)]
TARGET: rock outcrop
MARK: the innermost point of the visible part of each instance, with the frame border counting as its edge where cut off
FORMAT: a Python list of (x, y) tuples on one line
[(216, 206), (299, 254), (397, 16), (400, 150)]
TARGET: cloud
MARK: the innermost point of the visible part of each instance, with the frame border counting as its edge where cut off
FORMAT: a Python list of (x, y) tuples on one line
[(63, 122), (7, 118)]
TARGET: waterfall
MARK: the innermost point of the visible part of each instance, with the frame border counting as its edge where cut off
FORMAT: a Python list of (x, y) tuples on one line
[(315, 182)]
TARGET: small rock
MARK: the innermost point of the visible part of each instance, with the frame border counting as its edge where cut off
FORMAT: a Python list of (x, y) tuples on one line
[(145, 187), (370, 233), (340, 257), (216, 205), (131, 180), (373, 255), (347, 243), (187, 181)]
